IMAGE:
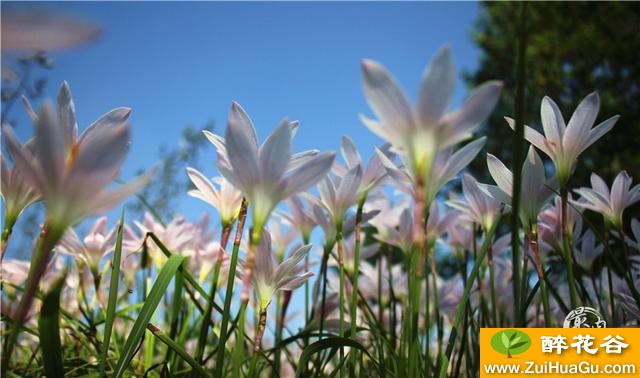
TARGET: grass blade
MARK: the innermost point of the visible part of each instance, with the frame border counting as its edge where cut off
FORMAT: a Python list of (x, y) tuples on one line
[(49, 328), (177, 349), (155, 296), (333, 342), (113, 295)]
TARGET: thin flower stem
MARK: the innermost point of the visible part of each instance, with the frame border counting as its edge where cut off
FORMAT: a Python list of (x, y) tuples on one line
[(492, 284), (307, 314), (49, 236), (229, 294), (568, 252), (415, 277), (238, 353), (609, 277), (342, 300), (6, 234), (356, 271), (204, 330), (518, 147), (533, 240)]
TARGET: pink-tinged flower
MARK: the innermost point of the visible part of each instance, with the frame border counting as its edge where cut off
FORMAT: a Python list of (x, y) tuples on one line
[(339, 193), (269, 276), (16, 192), (420, 133), (536, 189), (267, 174), (588, 250), (370, 279), (44, 31), (446, 166), (438, 222), (610, 204), (72, 172), (550, 225), (635, 231), (98, 243), (226, 200), (282, 235), (479, 207), (398, 233), (349, 251), (300, 216), (564, 143), (373, 173), (328, 225)]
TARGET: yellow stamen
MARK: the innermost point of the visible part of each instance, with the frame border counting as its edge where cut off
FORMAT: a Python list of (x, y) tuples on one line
[(71, 157)]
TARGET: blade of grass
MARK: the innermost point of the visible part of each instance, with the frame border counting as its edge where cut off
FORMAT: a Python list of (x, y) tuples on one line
[(177, 349), (113, 295), (49, 328), (327, 343), (462, 305), (151, 303)]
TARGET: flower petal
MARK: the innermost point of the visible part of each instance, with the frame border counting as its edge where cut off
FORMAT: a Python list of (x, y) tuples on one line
[(350, 152), (579, 127), (67, 115), (500, 174), (552, 121), (385, 96), (274, 153), (242, 148), (436, 89), (49, 147), (308, 174)]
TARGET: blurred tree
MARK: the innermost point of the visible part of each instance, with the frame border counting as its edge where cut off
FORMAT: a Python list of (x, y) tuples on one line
[(171, 182), (574, 48)]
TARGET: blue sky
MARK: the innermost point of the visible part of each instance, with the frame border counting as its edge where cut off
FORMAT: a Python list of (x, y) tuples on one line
[(177, 64), (184, 63)]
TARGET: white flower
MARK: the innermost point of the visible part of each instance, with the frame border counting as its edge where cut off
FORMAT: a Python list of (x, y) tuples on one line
[(610, 204), (422, 132), (70, 171), (564, 143), (266, 174), (226, 200), (536, 189), (479, 207), (98, 243)]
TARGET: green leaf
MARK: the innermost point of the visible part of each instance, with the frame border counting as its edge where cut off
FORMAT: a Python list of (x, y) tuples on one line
[(151, 303), (177, 349), (513, 336), (330, 342), (518, 345), (515, 340), (505, 340), (49, 328), (113, 295)]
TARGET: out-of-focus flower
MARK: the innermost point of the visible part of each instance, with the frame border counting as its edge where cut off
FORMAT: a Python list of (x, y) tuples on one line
[(350, 254), (338, 194), (328, 225), (176, 236), (371, 277), (226, 200), (300, 216), (373, 173), (446, 166), (564, 143), (610, 204), (44, 31), (422, 132), (266, 174), (16, 192), (72, 172), (98, 243), (281, 235), (269, 276), (479, 207), (635, 231), (588, 251), (399, 234), (536, 190), (550, 224), (438, 222)]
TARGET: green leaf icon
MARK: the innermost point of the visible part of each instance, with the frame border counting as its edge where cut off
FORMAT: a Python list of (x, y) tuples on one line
[(510, 342)]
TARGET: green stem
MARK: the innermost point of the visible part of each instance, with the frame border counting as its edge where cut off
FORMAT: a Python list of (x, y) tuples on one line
[(533, 240), (356, 271), (47, 240), (229, 293), (566, 244), (341, 265), (6, 233), (204, 330)]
